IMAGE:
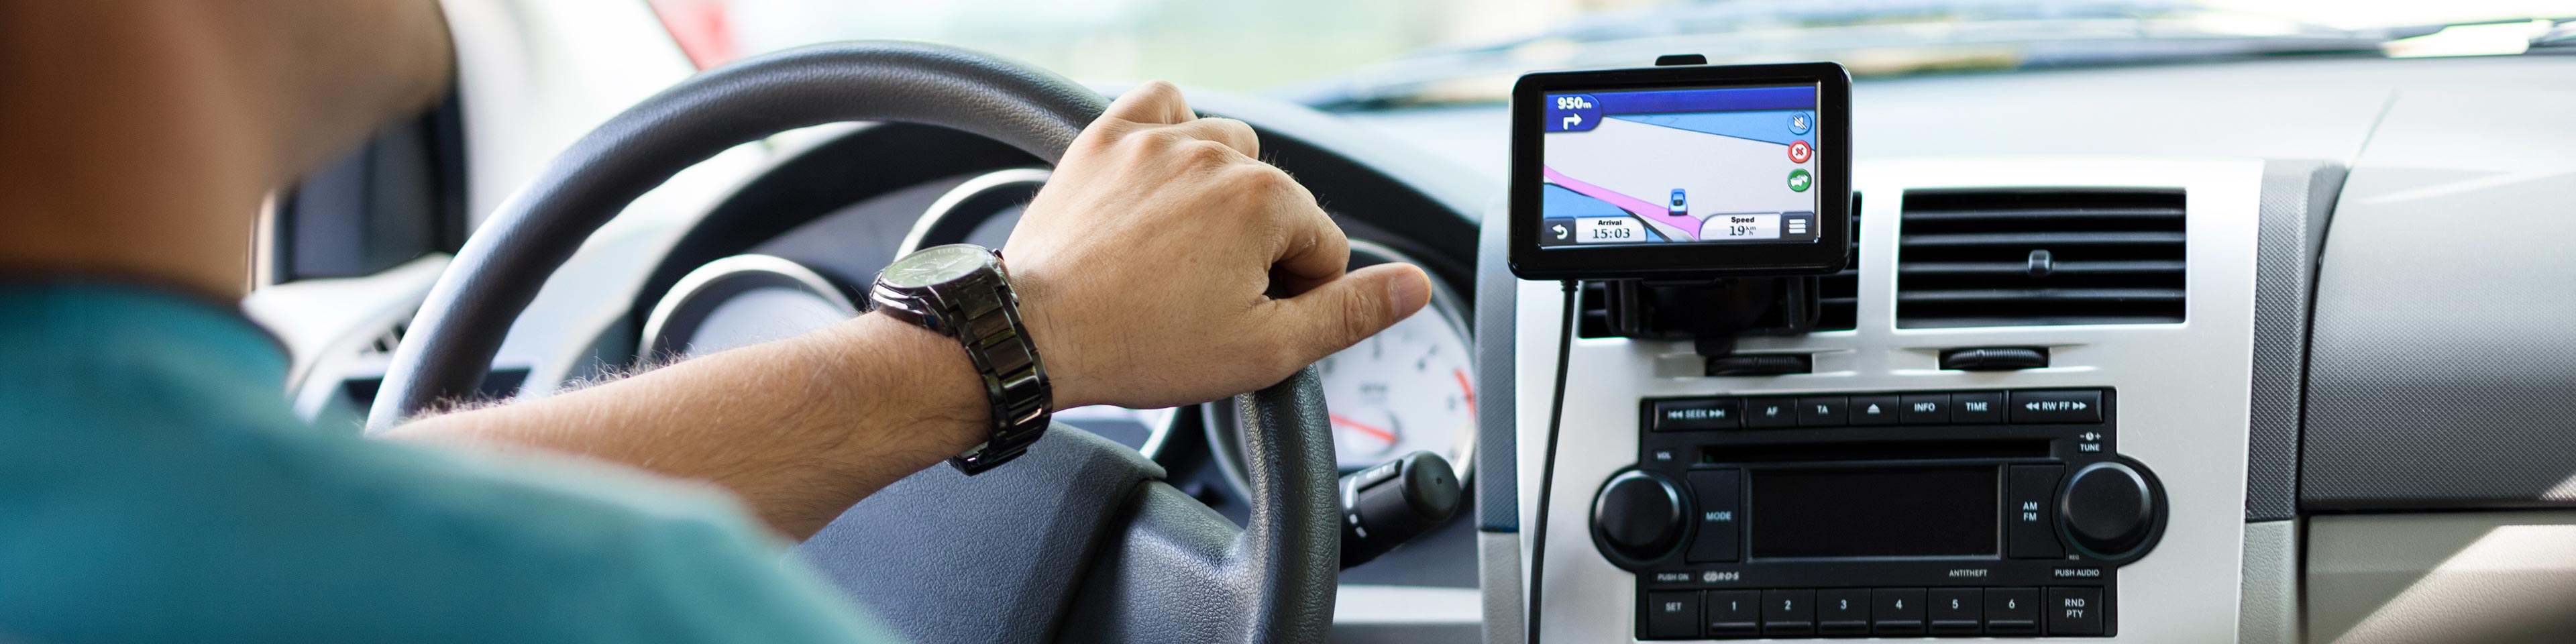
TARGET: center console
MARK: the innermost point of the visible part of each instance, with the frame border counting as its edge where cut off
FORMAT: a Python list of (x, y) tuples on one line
[(1997, 398), (1685, 506)]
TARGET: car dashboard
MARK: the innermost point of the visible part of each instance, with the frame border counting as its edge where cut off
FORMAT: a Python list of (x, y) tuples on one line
[(2336, 348)]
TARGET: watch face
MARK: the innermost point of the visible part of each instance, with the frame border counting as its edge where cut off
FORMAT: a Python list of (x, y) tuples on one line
[(935, 265)]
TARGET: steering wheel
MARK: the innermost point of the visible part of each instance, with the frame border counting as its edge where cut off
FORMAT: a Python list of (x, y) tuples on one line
[(1078, 541)]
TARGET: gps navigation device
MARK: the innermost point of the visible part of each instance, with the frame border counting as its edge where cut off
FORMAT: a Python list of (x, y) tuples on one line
[(1681, 172)]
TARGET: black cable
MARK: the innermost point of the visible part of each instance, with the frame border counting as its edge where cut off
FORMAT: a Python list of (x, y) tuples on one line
[(1547, 464)]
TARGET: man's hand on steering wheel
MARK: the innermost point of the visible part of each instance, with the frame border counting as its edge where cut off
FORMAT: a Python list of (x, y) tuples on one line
[(1162, 265), (1166, 264)]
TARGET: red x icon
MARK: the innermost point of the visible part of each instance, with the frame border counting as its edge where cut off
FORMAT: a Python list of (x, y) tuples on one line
[(1799, 152)]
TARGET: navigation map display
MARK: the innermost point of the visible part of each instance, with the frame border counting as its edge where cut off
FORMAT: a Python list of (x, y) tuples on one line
[(1680, 172), (1680, 166)]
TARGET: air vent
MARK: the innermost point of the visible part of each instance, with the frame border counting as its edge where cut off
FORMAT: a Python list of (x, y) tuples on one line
[(2021, 257), (1841, 291), (384, 343)]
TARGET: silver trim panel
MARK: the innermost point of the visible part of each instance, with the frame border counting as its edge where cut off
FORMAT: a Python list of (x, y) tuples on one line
[(2184, 391)]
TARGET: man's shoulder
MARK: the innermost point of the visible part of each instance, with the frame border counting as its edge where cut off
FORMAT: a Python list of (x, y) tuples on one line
[(249, 531)]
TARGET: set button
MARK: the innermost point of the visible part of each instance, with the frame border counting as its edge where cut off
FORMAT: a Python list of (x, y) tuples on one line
[(1876, 612)]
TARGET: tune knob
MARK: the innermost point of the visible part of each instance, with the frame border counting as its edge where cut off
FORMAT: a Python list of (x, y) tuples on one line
[(2108, 510), (1638, 517)]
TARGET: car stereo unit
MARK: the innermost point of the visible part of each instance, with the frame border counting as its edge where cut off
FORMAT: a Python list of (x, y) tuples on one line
[(1685, 171), (1904, 514)]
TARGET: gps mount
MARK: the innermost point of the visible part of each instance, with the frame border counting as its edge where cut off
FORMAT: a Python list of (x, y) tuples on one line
[(1713, 312)]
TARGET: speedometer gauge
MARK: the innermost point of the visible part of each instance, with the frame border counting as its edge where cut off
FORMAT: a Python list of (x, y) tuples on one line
[(1408, 388)]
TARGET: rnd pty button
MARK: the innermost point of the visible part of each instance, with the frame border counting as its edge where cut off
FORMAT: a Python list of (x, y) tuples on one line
[(2074, 611)]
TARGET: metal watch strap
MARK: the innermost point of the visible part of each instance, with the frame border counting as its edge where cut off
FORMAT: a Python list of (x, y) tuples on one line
[(982, 313)]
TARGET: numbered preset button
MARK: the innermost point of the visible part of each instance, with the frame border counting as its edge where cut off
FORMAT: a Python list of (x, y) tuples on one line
[(1788, 612), (1896, 611), (1956, 611), (2012, 611), (1842, 611), (1734, 613)]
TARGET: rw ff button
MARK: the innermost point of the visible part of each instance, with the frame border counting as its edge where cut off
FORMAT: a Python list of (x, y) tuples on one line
[(2056, 406)]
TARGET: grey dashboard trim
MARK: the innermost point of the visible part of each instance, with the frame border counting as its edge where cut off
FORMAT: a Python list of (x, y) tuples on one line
[(2268, 600), (1498, 564), (2184, 389), (1498, 490), (2298, 198), (1373, 614), (2441, 374)]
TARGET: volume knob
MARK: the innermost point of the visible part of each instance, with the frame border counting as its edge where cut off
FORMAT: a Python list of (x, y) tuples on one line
[(2108, 510), (1637, 518)]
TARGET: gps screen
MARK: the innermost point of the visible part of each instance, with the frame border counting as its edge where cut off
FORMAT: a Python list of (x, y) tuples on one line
[(1686, 166)]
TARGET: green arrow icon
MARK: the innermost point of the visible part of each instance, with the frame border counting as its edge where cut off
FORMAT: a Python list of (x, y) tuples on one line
[(1799, 180)]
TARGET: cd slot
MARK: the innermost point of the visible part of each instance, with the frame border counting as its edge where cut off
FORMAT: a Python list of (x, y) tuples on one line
[(2007, 448)]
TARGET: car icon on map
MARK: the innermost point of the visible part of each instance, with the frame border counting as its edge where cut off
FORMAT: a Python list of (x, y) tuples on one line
[(1680, 206)]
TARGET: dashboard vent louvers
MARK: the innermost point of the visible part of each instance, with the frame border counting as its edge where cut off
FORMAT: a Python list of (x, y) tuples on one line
[(2022, 257), (384, 343), (1841, 291)]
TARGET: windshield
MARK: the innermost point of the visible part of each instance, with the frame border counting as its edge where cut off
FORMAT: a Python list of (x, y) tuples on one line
[(1362, 53)]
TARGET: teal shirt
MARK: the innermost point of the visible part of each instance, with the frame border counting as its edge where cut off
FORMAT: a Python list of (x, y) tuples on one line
[(154, 487)]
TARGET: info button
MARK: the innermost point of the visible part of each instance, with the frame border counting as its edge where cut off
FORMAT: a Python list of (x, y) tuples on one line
[(1696, 414)]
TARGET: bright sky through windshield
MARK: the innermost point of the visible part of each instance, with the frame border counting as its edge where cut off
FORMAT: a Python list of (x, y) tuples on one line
[(1263, 45)]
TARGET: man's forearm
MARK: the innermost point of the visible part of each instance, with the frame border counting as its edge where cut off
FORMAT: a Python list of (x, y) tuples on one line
[(799, 428)]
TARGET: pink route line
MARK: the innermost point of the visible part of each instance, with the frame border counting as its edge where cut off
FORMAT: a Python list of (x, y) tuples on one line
[(1640, 207)]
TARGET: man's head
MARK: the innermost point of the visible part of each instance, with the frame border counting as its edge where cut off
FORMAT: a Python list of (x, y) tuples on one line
[(142, 133)]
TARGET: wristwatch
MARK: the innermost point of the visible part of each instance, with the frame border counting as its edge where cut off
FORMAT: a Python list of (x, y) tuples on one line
[(961, 291)]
